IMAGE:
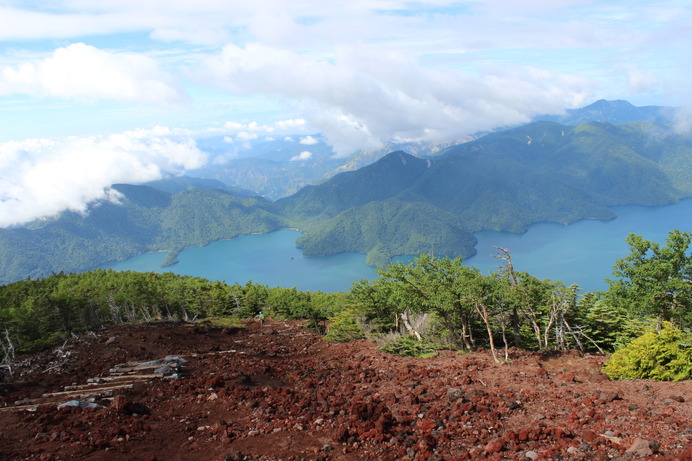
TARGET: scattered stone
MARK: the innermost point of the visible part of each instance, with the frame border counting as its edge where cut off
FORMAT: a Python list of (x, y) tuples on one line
[(164, 369), (494, 446), (643, 447), (124, 405), (454, 394), (79, 404), (531, 454)]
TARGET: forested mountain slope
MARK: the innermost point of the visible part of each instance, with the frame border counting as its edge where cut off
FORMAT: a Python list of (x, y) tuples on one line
[(505, 181), (146, 219), (401, 204)]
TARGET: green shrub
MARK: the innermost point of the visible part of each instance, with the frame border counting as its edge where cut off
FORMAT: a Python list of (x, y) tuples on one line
[(661, 356), (344, 327), (409, 346)]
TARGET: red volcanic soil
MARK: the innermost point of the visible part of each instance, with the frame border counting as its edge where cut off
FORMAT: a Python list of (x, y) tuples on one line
[(280, 392)]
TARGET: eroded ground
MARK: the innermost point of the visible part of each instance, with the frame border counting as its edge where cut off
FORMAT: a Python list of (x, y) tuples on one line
[(280, 392)]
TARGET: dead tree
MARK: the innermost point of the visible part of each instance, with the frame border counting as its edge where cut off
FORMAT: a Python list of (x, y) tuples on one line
[(507, 270)]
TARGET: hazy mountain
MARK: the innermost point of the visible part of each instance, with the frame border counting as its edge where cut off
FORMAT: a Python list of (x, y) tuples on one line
[(180, 183), (616, 112), (271, 168), (400, 204), (277, 168)]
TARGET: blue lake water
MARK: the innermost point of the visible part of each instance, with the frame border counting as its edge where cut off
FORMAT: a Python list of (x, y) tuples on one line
[(582, 253), (270, 259)]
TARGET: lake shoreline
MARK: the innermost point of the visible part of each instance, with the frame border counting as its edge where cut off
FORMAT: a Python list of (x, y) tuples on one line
[(583, 252)]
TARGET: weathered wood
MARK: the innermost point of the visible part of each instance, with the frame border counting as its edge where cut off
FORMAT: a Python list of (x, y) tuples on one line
[(22, 407), (81, 392), (130, 377), (136, 369)]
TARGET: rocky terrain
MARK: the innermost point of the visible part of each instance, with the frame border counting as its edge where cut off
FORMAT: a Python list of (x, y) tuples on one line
[(280, 392)]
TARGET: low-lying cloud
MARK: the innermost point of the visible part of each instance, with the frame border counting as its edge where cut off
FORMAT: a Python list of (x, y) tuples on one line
[(305, 155), (40, 178)]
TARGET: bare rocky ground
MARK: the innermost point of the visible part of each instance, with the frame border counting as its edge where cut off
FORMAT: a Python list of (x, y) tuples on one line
[(280, 392)]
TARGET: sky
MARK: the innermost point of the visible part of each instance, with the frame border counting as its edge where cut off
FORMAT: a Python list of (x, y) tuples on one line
[(94, 93)]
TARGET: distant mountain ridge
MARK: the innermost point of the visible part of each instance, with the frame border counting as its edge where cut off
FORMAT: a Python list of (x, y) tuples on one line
[(504, 181), (616, 112), (400, 204), (277, 168)]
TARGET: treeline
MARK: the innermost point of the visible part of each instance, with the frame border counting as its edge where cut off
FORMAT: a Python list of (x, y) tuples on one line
[(429, 304), (38, 313), (441, 301)]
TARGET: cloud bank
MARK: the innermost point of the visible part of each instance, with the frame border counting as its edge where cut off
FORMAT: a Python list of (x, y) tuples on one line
[(363, 73), (40, 178), (84, 72), (362, 100)]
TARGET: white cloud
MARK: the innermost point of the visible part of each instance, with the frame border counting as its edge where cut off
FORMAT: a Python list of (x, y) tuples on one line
[(305, 155), (246, 136), (40, 177), (295, 125), (364, 99), (683, 120), (253, 130), (309, 140), (364, 72), (83, 72)]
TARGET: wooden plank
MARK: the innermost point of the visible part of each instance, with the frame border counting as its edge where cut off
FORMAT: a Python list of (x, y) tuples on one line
[(131, 377), (142, 368), (22, 407), (95, 391)]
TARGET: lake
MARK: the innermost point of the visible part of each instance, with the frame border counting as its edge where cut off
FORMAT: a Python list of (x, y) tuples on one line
[(582, 253)]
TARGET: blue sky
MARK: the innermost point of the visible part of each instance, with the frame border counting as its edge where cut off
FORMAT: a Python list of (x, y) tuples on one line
[(98, 92)]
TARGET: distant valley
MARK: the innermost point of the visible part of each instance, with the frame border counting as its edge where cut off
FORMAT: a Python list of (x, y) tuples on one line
[(399, 204)]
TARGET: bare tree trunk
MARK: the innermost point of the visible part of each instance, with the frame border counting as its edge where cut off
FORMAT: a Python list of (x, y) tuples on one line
[(9, 349), (483, 312), (504, 339), (508, 269), (465, 336), (409, 328)]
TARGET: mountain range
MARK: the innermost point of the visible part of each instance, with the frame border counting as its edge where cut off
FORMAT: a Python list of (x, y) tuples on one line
[(400, 204)]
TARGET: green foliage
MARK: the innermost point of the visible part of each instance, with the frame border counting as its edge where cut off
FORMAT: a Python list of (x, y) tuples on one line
[(661, 356), (654, 281), (376, 302), (223, 322), (608, 325), (409, 346), (38, 313), (344, 327)]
